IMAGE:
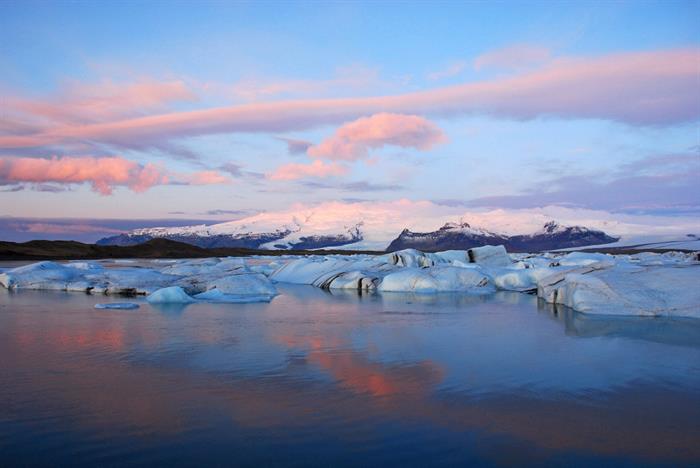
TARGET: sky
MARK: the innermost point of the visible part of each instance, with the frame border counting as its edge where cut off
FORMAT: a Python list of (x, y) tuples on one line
[(162, 113)]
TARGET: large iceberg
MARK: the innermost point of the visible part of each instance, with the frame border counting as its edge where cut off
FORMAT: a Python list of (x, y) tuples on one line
[(230, 277), (437, 279), (626, 289)]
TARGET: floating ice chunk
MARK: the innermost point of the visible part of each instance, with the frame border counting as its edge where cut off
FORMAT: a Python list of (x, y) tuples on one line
[(436, 279), (454, 257), (490, 255), (628, 290), (547, 287), (667, 258), (41, 275), (358, 280), (409, 279), (306, 270), (450, 278), (190, 267), (128, 281), (519, 279), (170, 295), (117, 305), (85, 265), (411, 258), (584, 258), (215, 295), (250, 284)]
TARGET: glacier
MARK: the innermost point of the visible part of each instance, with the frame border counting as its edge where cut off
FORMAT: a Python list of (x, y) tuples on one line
[(641, 284)]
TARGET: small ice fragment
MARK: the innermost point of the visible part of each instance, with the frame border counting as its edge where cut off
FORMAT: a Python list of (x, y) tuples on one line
[(171, 295), (117, 305)]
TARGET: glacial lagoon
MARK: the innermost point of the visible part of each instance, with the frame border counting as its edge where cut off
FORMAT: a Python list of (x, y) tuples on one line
[(343, 378)]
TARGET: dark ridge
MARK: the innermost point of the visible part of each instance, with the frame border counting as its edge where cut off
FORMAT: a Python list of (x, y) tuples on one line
[(249, 241), (154, 248), (451, 237)]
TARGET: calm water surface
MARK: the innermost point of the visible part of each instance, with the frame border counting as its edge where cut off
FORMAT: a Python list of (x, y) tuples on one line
[(322, 379)]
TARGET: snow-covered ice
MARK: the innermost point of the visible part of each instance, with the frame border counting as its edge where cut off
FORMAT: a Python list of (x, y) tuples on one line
[(627, 289), (170, 295), (489, 255), (437, 279), (640, 284)]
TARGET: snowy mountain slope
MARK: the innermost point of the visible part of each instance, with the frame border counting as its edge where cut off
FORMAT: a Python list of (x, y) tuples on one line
[(359, 229)]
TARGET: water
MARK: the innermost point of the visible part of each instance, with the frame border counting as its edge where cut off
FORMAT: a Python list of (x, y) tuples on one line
[(315, 378)]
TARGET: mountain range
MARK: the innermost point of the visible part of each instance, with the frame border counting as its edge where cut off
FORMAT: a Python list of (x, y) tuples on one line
[(305, 233)]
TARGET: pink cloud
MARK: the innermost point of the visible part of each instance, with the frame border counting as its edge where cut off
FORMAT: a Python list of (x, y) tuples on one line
[(103, 173), (353, 140), (81, 103), (638, 88), (317, 168), (515, 57), (206, 178)]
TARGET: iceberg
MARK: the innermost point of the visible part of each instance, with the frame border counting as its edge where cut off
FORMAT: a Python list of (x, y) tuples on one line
[(490, 255), (42, 275), (627, 290), (646, 284), (215, 295), (251, 284), (437, 279), (170, 295)]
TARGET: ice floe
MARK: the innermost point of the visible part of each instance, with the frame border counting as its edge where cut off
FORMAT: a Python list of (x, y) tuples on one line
[(639, 284), (170, 295), (117, 305)]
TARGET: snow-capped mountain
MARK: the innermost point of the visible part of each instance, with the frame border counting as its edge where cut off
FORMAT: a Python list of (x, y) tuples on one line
[(262, 231), (313, 229), (460, 236), (451, 236)]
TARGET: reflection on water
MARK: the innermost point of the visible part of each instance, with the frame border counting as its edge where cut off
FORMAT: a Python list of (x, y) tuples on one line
[(679, 331), (314, 378)]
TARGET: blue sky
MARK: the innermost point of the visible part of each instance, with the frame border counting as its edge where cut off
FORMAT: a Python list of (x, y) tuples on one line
[(621, 117)]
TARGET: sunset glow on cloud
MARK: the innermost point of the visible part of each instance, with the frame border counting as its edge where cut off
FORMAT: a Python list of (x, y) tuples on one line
[(354, 140), (103, 174), (316, 168)]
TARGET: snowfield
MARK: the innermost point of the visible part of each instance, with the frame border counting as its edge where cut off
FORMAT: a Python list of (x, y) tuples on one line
[(643, 284)]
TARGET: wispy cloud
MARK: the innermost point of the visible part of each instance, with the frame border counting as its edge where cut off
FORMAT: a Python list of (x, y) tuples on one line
[(647, 88), (347, 78), (514, 57), (450, 70), (358, 186), (316, 168)]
